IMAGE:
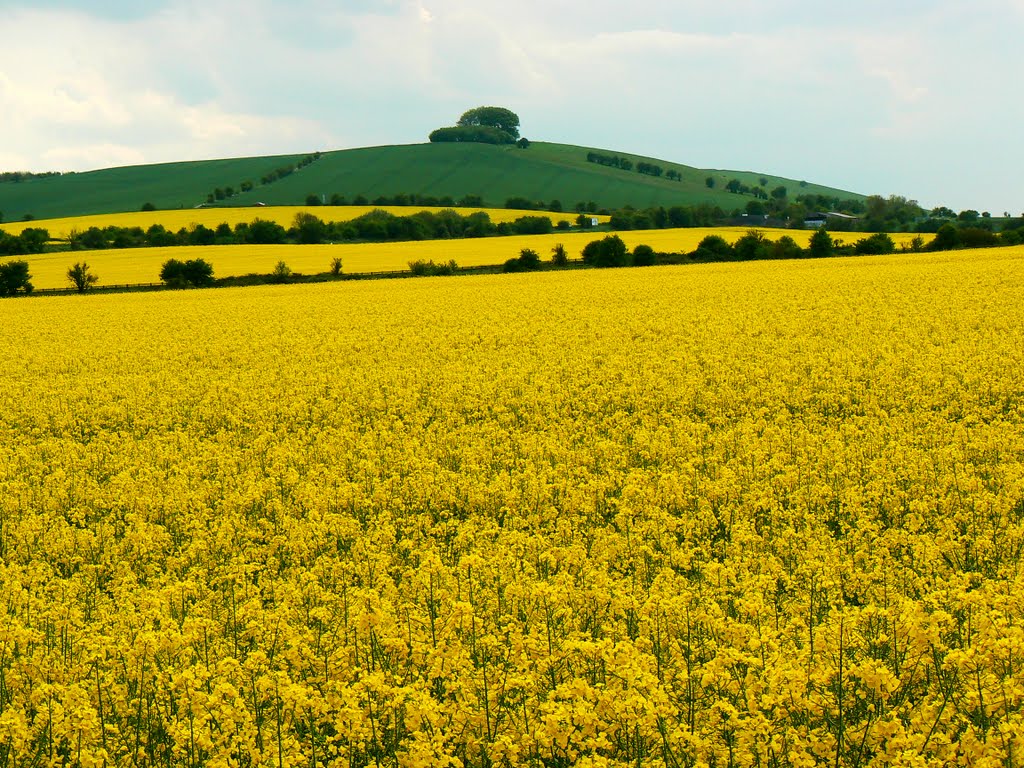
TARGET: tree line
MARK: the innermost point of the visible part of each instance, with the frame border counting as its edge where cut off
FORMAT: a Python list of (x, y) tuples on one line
[(16, 177), (226, 193), (625, 164), (609, 251), (755, 245), (308, 229), (31, 240)]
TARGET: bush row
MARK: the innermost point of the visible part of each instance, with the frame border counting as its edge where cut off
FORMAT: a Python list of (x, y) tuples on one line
[(308, 229)]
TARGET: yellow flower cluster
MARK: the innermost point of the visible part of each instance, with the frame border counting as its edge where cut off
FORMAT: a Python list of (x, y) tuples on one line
[(762, 514)]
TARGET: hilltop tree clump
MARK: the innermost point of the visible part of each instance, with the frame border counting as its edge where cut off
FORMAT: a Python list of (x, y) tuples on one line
[(486, 125)]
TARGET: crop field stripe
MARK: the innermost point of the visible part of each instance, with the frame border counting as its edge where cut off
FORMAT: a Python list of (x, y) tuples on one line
[(142, 265)]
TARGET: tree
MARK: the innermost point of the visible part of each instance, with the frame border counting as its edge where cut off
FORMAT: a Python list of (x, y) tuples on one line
[(80, 277), (492, 117), (281, 272), (643, 256), (201, 235), (607, 252), (527, 261), (336, 266), (877, 244), (753, 245), (34, 239), (709, 182), (523, 143), (308, 229), (148, 207), (559, 256), (15, 278), (946, 239), (786, 248), (266, 232), (821, 244), (180, 274), (713, 248)]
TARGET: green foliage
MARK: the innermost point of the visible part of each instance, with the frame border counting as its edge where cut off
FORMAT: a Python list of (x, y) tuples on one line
[(15, 278), (422, 268), (519, 203), (643, 256), (946, 239), (610, 161), (978, 237), (181, 274), (478, 134), (336, 266), (713, 248), (498, 118), (753, 245), (81, 277), (559, 256), (31, 240), (308, 229), (786, 248), (891, 214), (261, 231), (281, 273), (821, 244), (532, 225), (879, 243), (527, 261), (610, 251)]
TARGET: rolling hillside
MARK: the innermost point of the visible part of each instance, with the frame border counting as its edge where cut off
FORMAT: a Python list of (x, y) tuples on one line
[(542, 172)]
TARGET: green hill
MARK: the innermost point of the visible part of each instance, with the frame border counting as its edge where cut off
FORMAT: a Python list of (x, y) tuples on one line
[(541, 172)]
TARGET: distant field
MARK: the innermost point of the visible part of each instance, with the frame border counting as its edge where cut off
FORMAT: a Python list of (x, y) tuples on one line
[(545, 171), (142, 265), (283, 215)]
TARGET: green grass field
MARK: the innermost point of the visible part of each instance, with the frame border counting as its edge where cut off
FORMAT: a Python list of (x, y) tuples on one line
[(542, 172)]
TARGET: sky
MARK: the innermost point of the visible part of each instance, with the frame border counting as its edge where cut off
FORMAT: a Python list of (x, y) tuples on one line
[(918, 98)]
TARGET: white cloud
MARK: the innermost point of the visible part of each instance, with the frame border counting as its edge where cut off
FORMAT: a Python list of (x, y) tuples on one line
[(784, 88)]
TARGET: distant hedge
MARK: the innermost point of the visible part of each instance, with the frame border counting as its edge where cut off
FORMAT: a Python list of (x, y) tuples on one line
[(481, 134)]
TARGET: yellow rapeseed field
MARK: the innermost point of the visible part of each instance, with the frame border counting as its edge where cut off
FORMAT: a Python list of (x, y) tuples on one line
[(142, 265), (762, 514), (176, 219)]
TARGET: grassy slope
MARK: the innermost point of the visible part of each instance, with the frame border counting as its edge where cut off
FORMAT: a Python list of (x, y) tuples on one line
[(542, 172)]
